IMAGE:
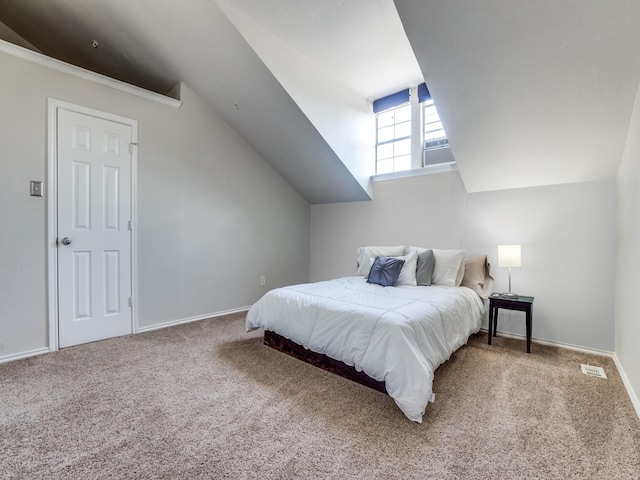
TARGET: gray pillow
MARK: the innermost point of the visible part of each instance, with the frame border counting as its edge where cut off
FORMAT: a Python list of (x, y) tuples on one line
[(385, 271), (426, 261)]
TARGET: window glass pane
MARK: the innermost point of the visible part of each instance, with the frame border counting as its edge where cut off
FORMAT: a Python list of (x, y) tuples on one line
[(434, 135), (403, 114), (403, 130), (385, 151), (402, 163), (385, 134), (430, 109), (385, 118), (433, 126), (431, 117), (385, 166), (402, 147)]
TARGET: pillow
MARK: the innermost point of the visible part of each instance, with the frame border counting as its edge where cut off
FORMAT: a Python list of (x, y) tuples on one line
[(477, 276), (366, 254), (408, 272), (385, 271), (425, 263), (448, 268)]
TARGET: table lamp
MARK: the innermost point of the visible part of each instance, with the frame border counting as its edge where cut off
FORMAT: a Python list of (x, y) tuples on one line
[(509, 256)]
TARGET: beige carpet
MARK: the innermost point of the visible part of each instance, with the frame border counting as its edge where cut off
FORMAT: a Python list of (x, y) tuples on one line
[(207, 400)]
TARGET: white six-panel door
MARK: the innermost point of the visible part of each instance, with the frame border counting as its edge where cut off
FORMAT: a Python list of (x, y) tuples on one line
[(94, 237)]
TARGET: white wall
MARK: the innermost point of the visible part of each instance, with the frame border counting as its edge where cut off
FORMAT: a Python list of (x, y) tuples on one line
[(424, 210), (213, 216), (627, 324), (567, 235)]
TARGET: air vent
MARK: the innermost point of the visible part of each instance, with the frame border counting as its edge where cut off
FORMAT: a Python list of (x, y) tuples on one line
[(437, 155), (593, 371), (433, 144)]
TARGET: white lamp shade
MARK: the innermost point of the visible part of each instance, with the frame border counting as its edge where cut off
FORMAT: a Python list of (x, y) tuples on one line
[(508, 255)]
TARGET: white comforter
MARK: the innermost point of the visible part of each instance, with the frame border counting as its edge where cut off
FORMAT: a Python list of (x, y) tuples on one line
[(398, 335)]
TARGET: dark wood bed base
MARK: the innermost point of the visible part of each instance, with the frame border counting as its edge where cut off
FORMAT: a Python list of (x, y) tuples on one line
[(319, 360)]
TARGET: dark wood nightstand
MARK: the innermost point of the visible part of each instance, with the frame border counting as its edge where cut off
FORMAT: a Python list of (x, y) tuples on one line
[(520, 303)]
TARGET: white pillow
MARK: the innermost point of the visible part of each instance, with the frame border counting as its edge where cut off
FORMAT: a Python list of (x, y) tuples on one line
[(449, 267), (408, 272), (366, 256)]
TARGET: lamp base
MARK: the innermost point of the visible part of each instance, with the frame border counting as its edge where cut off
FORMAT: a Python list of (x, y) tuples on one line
[(509, 295)]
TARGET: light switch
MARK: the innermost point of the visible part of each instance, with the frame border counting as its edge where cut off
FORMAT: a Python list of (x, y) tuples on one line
[(37, 189)]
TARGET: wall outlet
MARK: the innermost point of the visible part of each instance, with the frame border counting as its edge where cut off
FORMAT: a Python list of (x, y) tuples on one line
[(263, 280)]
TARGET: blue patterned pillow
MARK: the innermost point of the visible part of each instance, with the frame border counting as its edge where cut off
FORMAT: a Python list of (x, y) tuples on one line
[(385, 271)]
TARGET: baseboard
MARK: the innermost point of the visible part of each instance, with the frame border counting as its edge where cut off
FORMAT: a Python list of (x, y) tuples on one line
[(623, 375), (627, 384), (173, 323), (568, 346), (40, 351), (21, 355)]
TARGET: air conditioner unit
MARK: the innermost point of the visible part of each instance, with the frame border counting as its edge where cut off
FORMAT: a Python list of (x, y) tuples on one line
[(436, 152)]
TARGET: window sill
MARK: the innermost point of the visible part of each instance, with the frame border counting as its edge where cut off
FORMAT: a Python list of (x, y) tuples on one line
[(429, 170)]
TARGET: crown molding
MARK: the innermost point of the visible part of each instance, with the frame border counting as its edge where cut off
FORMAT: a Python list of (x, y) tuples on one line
[(40, 59)]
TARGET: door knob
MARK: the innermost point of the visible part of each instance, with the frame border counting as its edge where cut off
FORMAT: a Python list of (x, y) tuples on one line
[(66, 241)]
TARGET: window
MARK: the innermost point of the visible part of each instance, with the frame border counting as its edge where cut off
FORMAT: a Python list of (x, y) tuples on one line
[(393, 144), (432, 126), (435, 145), (396, 133)]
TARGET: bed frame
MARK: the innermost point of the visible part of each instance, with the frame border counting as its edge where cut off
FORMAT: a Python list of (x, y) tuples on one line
[(319, 360)]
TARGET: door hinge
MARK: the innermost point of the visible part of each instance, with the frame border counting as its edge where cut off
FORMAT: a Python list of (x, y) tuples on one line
[(131, 145), (129, 225), (130, 302)]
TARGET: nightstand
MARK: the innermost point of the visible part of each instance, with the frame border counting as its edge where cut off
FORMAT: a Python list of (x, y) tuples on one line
[(520, 303)]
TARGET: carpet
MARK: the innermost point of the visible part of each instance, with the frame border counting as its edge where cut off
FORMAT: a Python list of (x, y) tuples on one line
[(207, 400)]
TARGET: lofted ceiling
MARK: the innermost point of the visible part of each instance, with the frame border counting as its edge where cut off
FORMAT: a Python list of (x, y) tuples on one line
[(530, 93), (157, 43)]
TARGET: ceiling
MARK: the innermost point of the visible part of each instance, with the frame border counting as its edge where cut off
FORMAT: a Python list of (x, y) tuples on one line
[(530, 93), (374, 59)]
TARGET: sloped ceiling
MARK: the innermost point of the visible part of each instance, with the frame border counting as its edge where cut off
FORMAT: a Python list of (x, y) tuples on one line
[(530, 93), (157, 43)]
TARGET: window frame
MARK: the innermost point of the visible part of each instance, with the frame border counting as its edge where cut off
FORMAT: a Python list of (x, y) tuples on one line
[(395, 139), (420, 149)]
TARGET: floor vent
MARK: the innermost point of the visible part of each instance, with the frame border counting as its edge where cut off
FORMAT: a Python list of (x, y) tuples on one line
[(593, 371)]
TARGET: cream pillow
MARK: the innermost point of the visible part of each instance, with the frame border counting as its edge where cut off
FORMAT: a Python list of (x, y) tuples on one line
[(366, 256), (448, 268), (408, 272), (477, 275)]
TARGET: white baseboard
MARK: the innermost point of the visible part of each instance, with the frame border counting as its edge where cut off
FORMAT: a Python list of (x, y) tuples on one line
[(623, 375), (40, 351), (568, 346), (632, 395), (18, 356), (172, 323)]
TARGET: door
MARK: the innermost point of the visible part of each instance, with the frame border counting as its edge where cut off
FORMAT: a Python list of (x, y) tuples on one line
[(94, 236)]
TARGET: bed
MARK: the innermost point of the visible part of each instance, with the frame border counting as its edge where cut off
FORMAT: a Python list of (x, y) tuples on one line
[(394, 336)]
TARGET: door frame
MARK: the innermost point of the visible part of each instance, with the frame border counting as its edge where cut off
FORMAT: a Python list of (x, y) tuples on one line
[(52, 210)]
